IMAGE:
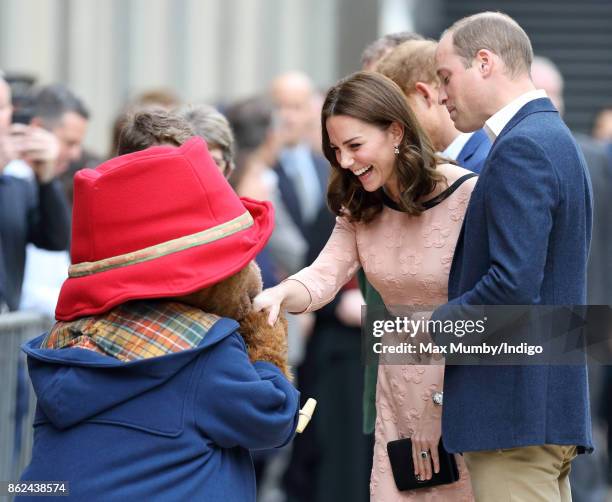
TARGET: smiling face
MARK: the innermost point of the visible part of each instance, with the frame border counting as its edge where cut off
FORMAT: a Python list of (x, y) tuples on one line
[(70, 132), (461, 89), (365, 150)]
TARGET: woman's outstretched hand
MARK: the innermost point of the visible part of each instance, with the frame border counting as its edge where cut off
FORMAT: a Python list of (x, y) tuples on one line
[(289, 295), (271, 300)]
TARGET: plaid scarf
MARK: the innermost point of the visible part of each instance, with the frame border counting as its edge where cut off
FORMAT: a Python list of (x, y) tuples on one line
[(135, 330)]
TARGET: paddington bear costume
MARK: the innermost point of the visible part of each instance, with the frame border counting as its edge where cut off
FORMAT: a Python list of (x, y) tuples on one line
[(145, 390)]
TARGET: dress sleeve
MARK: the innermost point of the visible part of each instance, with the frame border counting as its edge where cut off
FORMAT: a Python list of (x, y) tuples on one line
[(333, 268)]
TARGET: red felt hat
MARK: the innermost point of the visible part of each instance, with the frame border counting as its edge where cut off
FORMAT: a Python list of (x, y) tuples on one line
[(157, 223)]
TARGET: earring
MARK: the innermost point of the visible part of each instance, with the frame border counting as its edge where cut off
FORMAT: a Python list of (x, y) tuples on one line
[(396, 150)]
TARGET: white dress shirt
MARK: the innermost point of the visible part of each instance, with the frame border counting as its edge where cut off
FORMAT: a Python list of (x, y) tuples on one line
[(496, 123)]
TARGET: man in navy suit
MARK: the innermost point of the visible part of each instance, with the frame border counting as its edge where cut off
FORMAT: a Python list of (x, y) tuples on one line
[(525, 241), (302, 173)]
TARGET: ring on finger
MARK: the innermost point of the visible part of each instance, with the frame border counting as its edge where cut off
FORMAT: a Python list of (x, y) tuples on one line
[(424, 454)]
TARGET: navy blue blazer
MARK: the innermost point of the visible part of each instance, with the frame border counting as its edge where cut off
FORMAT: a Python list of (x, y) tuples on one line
[(28, 213), (289, 195), (474, 153), (524, 241)]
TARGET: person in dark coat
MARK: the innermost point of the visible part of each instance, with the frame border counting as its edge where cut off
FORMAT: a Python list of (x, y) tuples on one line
[(36, 213), (519, 427)]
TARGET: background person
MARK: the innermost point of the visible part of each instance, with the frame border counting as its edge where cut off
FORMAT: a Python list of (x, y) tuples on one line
[(213, 127), (412, 66), (31, 212), (302, 173), (58, 111)]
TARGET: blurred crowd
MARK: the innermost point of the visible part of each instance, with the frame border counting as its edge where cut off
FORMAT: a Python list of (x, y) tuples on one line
[(269, 148)]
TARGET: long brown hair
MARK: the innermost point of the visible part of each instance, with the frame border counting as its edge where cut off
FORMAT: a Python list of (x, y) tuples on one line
[(376, 100)]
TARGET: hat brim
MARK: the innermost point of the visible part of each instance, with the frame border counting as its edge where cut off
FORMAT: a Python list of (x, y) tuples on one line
[(172, 275)]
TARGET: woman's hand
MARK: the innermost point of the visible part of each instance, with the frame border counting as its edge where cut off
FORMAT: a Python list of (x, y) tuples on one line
[(290, 295), (270, 299), (425, 439)]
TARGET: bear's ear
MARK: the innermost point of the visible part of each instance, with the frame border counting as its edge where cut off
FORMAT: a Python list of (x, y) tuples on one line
[(232, 297), (254, 280)]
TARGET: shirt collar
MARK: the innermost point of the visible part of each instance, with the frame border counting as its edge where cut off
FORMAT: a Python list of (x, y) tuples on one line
[(454, 149), (292, 157), (496, 123), (18, 168)]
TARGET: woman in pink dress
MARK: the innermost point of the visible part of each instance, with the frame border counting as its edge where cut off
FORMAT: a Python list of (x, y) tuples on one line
[(399, 211)]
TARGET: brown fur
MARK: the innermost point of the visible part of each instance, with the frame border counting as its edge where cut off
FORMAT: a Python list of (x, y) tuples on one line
[(265, 342), (233, 298)]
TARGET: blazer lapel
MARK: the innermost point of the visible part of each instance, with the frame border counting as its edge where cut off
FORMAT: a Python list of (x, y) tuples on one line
[(289, 196), (535, 106)]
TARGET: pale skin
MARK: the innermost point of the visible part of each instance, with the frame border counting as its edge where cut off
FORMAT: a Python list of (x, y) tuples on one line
[(70, 132), (39, 148), (472, 95), (292, 94), (360, 148), (434, 118)]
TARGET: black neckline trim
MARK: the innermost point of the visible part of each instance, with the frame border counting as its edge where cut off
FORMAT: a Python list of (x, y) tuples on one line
[(428, 204)]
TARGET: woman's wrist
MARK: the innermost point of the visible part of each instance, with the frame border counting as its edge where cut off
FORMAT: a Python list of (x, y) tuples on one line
[(296, 296)]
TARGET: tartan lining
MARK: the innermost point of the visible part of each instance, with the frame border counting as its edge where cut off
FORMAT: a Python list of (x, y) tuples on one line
[(135, 330)]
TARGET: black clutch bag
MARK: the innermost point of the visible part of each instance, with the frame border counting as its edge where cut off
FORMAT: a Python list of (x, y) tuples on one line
[(400, 456)]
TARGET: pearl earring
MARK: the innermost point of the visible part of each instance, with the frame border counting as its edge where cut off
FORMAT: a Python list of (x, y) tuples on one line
[(396, 150)]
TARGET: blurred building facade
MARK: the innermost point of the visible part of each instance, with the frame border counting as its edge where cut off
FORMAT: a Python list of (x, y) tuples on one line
[(205, 50), (574, 34), (221, 50)]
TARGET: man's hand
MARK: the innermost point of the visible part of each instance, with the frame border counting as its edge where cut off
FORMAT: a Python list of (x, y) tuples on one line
[(38, 148), (7, 151)]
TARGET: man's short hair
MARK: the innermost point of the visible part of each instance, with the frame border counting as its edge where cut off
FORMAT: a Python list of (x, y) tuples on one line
[(51, 102), (157, 97), (377, 49), (411, 62), (152, 127), (251, 119), (496, 32), (213, 127)]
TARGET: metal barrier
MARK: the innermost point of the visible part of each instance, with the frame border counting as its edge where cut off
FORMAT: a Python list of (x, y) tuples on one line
[(15, 329)]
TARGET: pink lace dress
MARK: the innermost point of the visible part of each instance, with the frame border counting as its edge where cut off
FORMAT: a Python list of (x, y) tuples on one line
[(407, 259)]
